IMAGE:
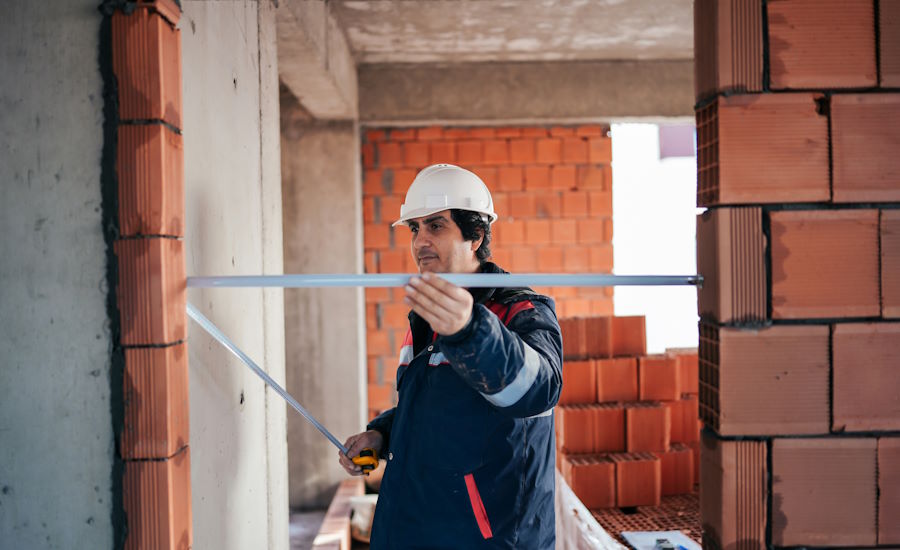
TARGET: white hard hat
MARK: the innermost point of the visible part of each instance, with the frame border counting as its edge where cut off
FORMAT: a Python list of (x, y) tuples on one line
[(444, 187)]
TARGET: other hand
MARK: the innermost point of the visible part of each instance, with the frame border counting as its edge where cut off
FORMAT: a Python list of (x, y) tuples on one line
[(371, 439)]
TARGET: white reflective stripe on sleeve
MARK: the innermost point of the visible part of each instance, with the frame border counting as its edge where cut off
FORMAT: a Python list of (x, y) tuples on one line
[(524, 380), (406, 355), (436, 359), (548, 412)]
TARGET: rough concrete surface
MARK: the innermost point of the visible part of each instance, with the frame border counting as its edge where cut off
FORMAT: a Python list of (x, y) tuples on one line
[(56, 441), (412, 31), (324, 328), (538, 92), (233, 226)]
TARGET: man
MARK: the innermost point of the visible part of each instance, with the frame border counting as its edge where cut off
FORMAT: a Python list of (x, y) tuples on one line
[(470, 444)]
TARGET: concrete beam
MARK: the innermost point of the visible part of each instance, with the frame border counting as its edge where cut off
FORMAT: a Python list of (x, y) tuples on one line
[(314, 60), (534, 92)]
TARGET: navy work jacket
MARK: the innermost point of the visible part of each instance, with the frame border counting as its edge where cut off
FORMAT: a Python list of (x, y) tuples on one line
[(470, 444)]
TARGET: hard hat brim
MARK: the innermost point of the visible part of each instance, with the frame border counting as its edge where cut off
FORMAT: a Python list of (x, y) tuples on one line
[(422, 212)]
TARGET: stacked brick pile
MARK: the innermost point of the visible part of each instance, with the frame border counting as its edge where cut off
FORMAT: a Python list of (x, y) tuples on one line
[(798, 120), (627, 432), (552, 188)]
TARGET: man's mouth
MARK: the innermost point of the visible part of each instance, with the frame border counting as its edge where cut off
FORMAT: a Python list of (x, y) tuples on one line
[(426, 258)]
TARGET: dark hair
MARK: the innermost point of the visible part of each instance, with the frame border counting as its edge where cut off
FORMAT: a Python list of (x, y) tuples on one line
[(473, 225)]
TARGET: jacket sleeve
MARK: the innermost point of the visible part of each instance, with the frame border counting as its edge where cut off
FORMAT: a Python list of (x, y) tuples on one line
[(383, 423), (517, 368)]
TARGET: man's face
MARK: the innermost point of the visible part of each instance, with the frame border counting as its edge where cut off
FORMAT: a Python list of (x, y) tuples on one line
[(438, 245)]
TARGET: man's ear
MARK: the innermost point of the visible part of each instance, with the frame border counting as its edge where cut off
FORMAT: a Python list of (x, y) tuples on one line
[(476, 243)]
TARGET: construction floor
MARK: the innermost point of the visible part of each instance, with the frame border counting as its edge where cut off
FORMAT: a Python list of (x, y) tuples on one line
[(675, 513)]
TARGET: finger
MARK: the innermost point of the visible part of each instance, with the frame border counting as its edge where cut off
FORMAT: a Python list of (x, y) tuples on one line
[(426, 301), (444, 296), (432, 317), (452, 291)]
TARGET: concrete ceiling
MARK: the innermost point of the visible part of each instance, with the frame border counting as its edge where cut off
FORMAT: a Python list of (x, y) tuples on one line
[(416, 31)]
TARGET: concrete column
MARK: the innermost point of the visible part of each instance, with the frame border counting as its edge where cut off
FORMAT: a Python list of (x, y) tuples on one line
[(325, 343), (56, 438)]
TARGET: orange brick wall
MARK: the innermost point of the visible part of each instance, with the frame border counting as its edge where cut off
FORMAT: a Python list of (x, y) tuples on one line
[(552, 188)]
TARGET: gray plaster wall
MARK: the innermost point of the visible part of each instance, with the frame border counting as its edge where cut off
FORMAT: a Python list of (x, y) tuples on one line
[(325, 328), (56, 440), (233, 226)]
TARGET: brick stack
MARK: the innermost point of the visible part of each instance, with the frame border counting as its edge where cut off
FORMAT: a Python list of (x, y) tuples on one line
[(627, 431), (797, 117), (552, 188), (156, 487)]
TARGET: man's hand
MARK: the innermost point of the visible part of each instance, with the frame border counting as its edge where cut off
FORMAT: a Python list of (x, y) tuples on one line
[(445, 306), (355, 443)]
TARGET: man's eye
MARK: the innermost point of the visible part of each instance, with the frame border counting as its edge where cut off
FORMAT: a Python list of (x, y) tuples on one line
[(435, 226), (414, 229)]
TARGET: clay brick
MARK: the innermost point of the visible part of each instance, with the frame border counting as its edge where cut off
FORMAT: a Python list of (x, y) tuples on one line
[(524, 260), (676, 426), (376, 235), (741, 161), (659, 378), (389, 208), (156, 402), (501, 203), (687, 360), (367, 150), (550, 259), (391, 261), (510, 178), (592, 479), (442, 152), (591, 131), (563, 231), (824, 492), (865, 137), (576, 260), (785, 367), (507, 132), (547, 203), (496, 152), (168, 9), (888, 490), (152, 291), (690, 416), (373, 183), (537, 177), (617, 379), (677, 470), (579, 383), (537, 232), (600, 150), (378, 342), (600, 204), (508, 233), (395, 315), (601, 259), (647, 427), (821, 44), (562, 131), (866, 377), (733, 493), (401, 236), (731, 252), (522, 151), (726, 60), (548, 151), (574, 150), (371, 261), (576, 306), (598, 337), (156, 495), (574, 204), (376, 135), (595, 178), (455, 133), (150, 170), (522, 205), (501, 257), (416, 154), (890, 263), (572, 330), (638, 479), (380, 397), (469, 152), (400, 180), (488, 175), (590, 231), (390, 154), (402, 134), (590, 428), (147, 65), (629, 335), (369, 210), (889, 43), (374, 295), (372, 316), (824, 264), (429, 133), (535, 132), (562, 177), (481, 133)]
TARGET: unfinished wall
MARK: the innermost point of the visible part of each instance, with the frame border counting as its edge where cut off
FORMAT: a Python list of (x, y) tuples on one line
[(233, 226), (552, 188), (56, 437), (324, 327), (796, 312)]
